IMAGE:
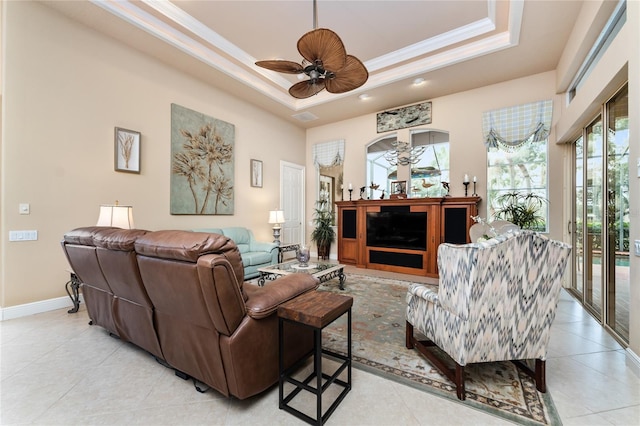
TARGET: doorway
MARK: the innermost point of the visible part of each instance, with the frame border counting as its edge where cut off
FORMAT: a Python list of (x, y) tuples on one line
[(601, 216), (292, 181)]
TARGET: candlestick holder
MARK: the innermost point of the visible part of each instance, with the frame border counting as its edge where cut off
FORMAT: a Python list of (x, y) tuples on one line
[(350, 191), (474, 189), (466, 188)]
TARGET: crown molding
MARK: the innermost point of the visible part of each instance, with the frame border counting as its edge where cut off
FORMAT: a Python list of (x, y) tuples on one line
[(274, 86)]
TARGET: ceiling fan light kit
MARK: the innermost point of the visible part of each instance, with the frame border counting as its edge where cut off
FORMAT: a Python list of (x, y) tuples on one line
[(326, 63)]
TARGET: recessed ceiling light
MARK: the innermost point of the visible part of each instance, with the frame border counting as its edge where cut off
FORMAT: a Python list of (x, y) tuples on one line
[(364, 96), (418, 81)]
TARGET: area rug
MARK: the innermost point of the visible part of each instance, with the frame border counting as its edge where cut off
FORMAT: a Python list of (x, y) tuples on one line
[(378, 337)]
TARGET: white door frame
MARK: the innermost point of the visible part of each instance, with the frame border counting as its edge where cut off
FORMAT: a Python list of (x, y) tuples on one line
[(283, 194)]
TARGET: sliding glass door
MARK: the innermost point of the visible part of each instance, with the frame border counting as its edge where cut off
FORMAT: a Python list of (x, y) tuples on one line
[(601, 216), (617, 212), (593, 217)]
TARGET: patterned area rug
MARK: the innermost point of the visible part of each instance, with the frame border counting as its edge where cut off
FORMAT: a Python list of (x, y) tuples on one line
[(378, 335)]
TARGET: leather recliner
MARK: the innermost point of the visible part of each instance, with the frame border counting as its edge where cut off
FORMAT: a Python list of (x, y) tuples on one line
[(209, 324)]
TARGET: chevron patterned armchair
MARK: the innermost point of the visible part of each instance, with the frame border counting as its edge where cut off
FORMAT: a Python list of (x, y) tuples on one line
[(496, 301)]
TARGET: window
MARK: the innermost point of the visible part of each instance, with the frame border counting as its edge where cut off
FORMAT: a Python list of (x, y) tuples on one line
[(517, 144), (522, 170), (428, 174), (611, 29), (425, 159), (380, 172)]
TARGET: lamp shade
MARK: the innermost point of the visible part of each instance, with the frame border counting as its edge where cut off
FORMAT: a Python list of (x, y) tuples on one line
[(276, 216), (118, 216)]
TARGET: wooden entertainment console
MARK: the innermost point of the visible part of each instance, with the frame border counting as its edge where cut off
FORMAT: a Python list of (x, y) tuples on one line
[(402, 235)]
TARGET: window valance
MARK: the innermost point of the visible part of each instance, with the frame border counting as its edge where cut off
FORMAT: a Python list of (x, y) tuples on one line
[(327, 154), (510, 128)]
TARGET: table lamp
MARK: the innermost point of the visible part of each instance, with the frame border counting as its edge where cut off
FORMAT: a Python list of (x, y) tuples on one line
[(116, 215), (276, 217)]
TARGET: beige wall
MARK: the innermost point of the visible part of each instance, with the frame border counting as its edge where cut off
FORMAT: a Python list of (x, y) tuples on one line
[(66, 89), (461, 116)]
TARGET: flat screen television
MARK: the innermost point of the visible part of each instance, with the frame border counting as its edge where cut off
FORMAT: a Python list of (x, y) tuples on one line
[(397, 229)]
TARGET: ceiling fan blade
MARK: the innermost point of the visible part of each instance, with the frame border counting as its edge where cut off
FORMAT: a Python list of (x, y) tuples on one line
[(353, 75), (306, 89), (325, 45), (288, 67)]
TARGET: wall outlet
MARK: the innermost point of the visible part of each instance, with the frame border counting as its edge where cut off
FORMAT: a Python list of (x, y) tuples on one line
[(24, 208), (23, 235)]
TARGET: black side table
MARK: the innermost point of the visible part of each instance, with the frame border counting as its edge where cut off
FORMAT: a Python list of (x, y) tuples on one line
[(316, 310), (286, 247), (73, 290)]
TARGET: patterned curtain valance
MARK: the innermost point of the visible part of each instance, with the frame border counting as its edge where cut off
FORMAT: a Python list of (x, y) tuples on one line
[(327, 154), (510, 128)]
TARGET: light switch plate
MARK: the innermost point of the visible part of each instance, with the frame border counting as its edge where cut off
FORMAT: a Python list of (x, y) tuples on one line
[(23, 235), (637, 244)]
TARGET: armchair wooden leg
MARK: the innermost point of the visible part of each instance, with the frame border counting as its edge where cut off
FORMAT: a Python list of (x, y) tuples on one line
[(541, 382), (409, 335), (538, 374), (456, 375), (460, 391)]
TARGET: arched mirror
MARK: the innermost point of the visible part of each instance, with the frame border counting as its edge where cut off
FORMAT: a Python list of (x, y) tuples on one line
[(328, 158)]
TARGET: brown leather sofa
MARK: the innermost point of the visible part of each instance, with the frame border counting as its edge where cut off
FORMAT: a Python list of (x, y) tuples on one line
[(180, 295)]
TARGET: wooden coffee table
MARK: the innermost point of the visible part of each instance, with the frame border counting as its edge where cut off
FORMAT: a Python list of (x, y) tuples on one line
[(322, 270)]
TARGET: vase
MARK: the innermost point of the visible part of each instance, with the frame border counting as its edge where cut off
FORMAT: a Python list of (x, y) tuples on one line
[(303, 256)]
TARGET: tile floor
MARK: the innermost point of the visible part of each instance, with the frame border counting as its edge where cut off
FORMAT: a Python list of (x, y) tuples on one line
[(55, 369)]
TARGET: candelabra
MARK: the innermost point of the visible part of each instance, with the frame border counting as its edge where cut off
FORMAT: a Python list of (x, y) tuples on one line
[(466, 188), (350, 191)]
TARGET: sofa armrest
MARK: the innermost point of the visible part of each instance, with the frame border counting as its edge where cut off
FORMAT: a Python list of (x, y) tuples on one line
[(262, 246), (264, 301)]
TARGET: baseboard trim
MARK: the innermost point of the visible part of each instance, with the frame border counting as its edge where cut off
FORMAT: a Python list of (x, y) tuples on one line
[(633, 361), (27, 309)]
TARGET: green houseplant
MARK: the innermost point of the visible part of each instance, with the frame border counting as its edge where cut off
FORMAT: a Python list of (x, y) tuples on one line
[(521, 209), (323, 234)]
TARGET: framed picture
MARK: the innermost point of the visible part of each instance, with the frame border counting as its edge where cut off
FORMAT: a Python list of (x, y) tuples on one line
[(401, 118), (127, 151), (256, 173), (201, 184), (399, 187)]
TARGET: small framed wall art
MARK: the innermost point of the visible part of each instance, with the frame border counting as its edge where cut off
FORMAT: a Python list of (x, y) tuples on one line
[(256, 173), (399, 189), (127, 150)]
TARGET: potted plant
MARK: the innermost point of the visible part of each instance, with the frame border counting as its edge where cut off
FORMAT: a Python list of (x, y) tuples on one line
[(521, 209), (323, 234)]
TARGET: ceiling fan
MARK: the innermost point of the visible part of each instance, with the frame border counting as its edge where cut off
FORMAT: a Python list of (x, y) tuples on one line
[(326, 62)]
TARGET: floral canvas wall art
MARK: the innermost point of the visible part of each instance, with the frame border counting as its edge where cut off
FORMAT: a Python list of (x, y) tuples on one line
[(202, 179)]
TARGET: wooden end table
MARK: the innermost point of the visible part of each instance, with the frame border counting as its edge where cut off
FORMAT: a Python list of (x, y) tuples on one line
[(316, 310)]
